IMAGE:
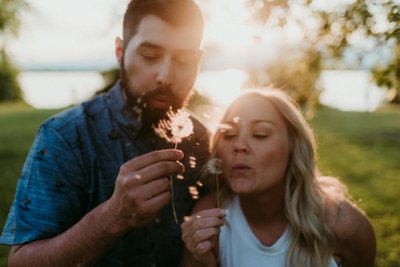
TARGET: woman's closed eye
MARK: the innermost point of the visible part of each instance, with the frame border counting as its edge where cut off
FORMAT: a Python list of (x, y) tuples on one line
[(228, 134), (260, 135)]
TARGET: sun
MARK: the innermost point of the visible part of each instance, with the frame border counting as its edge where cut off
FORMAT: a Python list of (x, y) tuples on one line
[(227, 23), (227, 28)]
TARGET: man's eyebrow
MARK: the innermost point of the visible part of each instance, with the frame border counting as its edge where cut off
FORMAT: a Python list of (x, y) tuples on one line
[(147, 44)]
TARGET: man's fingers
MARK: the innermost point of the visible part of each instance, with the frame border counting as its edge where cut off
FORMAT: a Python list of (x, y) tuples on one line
[(154, 188), (160, 169), (150, 158), (156, 203)]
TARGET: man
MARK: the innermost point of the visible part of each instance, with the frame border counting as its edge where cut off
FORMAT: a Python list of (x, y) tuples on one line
[(95, 188)]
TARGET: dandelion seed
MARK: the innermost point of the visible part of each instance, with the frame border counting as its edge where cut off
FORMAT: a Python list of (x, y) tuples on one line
[(214, 166), (192, 189), (206, 115), (223, 127), (194, 192), (235, 119), (192, 162)]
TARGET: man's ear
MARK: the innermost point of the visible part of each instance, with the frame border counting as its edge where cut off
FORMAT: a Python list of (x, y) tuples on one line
[(119, 50)]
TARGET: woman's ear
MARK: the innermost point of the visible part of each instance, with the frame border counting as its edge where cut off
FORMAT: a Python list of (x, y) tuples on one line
[(119, 50)]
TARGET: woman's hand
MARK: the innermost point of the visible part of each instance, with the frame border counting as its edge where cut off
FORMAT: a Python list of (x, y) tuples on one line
[(200, 235)]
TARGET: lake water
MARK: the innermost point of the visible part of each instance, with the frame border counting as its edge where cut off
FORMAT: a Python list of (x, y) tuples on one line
[(345, 90)]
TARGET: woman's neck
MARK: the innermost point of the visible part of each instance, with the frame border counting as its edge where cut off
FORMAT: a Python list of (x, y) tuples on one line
[(265, 216)]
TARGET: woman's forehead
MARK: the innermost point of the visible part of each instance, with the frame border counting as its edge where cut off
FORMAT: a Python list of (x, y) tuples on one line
[(252, 107)]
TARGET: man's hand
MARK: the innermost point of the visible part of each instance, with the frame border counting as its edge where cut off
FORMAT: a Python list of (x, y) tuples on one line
[(142, 188)]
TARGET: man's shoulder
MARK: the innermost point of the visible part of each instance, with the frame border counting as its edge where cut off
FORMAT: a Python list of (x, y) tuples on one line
[(77, 116), (199, 127)]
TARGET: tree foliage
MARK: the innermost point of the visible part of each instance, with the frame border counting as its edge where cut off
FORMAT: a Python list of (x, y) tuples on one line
[(9, 87), (365, 29), (9, 24), (9, 15)]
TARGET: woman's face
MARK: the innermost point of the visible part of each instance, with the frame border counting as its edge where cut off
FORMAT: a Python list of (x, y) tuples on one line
[(254, 147)]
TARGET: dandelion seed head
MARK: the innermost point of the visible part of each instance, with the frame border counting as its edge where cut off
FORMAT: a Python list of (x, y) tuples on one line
[(181, 124), (176, 127), (214, 166)]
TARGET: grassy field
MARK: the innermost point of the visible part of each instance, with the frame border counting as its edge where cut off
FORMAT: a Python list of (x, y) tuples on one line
[(362, 149)]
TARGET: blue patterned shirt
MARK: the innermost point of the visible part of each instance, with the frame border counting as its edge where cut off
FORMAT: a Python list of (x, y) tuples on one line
[(72, 166)]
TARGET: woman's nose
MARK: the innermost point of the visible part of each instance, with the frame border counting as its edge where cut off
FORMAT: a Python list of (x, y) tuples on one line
[(240, 144)]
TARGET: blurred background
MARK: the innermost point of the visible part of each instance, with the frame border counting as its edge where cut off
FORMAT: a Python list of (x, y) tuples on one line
[(339, 59)]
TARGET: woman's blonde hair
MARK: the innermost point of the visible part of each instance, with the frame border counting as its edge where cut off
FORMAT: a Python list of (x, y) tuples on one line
[(312, 240)]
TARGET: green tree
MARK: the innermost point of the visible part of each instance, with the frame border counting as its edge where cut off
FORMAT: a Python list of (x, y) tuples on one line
[(9, 25), (9, 87), (363, 28)]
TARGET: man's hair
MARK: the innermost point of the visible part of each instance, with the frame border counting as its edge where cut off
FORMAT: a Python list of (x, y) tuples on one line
[(175, 12)]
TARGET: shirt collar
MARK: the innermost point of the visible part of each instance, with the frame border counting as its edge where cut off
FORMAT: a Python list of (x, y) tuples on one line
[(120, 111)]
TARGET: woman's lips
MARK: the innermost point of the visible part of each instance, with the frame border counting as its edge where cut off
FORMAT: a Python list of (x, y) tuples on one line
[(240, 168)]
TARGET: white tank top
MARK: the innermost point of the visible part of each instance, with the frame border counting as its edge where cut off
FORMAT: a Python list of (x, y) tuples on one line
[(239, 247)]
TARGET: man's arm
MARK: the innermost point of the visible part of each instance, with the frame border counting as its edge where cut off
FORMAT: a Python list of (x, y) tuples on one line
[(356, 244), (140, 192)]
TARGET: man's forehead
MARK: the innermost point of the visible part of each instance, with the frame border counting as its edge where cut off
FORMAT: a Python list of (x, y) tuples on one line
[(154, 32)]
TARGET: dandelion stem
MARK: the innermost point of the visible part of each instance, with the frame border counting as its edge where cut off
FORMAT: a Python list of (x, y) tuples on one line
[(217, 184), (173, 199), (172, 194)]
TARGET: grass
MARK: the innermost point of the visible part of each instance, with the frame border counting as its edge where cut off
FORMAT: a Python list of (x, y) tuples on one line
[(18, 126), (362, 149)]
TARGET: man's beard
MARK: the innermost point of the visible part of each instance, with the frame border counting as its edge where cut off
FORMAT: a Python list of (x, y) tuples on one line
[(140, 104)]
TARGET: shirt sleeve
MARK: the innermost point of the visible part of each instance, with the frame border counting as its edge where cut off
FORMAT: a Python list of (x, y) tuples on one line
[(50, 195)]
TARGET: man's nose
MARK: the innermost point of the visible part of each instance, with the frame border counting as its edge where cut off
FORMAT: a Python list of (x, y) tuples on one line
[(165, 75)]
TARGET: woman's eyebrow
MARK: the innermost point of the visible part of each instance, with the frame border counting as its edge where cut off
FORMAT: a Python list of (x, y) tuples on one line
[(254, 122)]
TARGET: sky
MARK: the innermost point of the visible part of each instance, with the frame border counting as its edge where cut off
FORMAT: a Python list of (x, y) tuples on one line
[(65, 31), (76, 33)]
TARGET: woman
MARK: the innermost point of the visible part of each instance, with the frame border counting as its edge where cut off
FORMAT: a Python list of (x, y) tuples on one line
[(276, 210)]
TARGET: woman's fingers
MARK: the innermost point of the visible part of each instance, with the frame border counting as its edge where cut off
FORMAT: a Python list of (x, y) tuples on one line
[(200, 228)]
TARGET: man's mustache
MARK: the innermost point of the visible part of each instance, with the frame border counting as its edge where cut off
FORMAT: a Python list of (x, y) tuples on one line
[(163, 91)]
